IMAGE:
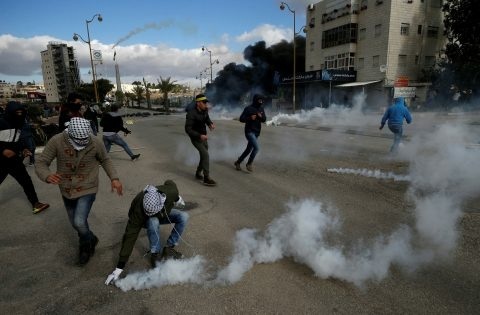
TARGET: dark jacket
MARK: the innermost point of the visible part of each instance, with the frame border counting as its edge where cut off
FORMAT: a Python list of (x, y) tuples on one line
[(196, 123), (112, 122), (137, 218), (255, 108), (10, 128)]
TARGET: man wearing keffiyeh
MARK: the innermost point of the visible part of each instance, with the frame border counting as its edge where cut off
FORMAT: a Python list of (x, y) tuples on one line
[(78, 155)]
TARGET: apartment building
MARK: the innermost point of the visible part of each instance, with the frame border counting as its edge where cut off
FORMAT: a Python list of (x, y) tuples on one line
[(60, 71), (384, 41), (7, 91)]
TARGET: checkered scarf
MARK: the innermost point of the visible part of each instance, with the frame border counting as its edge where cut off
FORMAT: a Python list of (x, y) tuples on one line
[(78, 130), (153, 200)]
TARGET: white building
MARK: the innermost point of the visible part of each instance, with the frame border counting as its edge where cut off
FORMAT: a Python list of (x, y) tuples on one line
[(60, 71), (384, 41)]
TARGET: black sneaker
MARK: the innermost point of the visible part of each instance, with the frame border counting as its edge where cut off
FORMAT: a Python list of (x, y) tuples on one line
[(198, 176), (207, 181), (83, 257), (170, 252), (237, 166), (135, 157), (154, 257)]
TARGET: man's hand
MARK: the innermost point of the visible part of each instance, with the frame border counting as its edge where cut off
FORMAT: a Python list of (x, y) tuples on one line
[(381, 127), (8, 153), (54, 179), (253, 117), (180, 203), (117, 185), (211, 126), (26, 152), (113, 276), (203, 138), (259, 114)]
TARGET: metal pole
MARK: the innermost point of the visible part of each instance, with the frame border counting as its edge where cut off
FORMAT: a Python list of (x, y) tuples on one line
[(294, 62), (330, 93), (91, 63), (211, 71)]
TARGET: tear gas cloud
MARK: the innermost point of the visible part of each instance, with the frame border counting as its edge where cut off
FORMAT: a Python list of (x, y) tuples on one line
[(370, 173), (443, 174)]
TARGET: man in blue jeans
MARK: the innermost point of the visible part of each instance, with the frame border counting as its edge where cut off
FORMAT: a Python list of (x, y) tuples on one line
[(152, 207), (253, 116), (112, 123), (395, 115)]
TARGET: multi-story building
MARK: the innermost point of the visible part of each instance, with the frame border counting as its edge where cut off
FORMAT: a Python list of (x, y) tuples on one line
[(60, 71), (384, 41), (7, 90)]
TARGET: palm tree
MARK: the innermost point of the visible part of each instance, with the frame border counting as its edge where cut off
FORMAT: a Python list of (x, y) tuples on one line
[(166, 86), (138, 91)]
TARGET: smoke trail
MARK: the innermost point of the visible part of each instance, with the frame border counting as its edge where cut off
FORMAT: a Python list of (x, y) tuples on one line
[(370, 173), (157, 26)]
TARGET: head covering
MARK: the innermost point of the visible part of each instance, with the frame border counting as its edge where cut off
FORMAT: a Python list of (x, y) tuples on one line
[(78, 130), (201, 98), (257, 98), (153, 200), (11, 114)]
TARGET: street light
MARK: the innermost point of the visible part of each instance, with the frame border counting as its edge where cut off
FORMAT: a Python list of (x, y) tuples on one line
[(211, 63), (77, 36), (282, 7)]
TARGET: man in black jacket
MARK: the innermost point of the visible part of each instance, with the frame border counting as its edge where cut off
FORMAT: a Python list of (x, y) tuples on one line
[(10, 147), (112, 123), (196, 127), (253, 116)]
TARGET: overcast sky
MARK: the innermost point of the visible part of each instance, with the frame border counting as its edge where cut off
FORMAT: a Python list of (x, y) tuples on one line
[(151, 38)]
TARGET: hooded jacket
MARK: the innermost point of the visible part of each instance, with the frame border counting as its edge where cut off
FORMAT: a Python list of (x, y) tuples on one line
[(10, 128), (255, 108), (196, 123), (396, 113)]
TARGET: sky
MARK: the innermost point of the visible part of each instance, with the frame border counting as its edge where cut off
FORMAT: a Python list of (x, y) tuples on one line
[(152, 39)]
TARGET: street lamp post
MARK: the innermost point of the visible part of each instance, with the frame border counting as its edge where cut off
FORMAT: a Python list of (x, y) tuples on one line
[(211, 63), (282, 7), (77, 36)]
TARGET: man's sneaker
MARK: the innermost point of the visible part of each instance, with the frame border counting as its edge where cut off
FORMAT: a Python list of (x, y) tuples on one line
[(198, 176), (207, 181), (154, 257), (39, 207), (93, 244), (237, 166), (170, 252), (83, 257), (249, 167), (135, 157)]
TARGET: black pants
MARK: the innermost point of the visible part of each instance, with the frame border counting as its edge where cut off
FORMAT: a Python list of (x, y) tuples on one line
[(203, 165), (14, 166)]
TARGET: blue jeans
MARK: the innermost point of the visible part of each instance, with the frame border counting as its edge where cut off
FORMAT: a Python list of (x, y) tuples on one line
[(108, 140), (78, 210), (177, 217), (252, 148), (397, 135)]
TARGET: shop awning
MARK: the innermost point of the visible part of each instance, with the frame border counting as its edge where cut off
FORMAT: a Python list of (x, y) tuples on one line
[(351, 84)]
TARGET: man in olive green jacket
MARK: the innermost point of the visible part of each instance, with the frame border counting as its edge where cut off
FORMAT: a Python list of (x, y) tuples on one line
[(78, 155), (152, 207)]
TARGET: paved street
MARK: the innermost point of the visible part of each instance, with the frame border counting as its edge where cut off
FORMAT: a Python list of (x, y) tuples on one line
[(296, 164)]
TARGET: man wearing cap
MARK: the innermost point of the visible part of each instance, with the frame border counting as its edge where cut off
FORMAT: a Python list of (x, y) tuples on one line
[(152, 207), (78, 155), (195, 126)]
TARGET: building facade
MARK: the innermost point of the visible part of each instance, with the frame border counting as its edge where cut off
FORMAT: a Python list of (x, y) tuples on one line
[(60, 71), (384, 41), (7, 91)]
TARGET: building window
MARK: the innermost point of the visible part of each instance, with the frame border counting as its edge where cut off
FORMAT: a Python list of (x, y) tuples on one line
[(419, 30), (402, 61), (341, 35), (312, 46), (362, 33), (436, 3), (432, 31), (378, 30), (404, 29), (375, 61), (429, 61), (361, 63), (417, 58)]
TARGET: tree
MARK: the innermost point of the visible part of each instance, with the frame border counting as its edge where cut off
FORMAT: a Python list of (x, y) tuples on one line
[(462, 28), (138, 92), (166, 86)]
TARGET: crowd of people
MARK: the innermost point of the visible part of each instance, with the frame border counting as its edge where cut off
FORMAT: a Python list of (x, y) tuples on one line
[(79, 152)]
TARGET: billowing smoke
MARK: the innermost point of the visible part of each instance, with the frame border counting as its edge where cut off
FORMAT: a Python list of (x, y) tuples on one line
[(444, 174), (370, 173), (148, 26)]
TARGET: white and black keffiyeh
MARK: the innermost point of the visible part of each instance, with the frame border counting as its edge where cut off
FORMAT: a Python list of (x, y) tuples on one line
[(153, 200), (78, 131)]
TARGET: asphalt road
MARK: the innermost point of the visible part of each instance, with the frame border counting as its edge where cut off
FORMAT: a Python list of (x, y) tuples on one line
[(38, 252)]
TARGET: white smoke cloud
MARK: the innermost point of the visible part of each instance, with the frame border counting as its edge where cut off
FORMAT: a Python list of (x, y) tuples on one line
[(370, 173), (266, 32)]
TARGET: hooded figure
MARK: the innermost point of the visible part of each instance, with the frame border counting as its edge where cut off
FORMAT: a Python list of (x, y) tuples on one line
[(253, 116), (10, 149), (395, 115)]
